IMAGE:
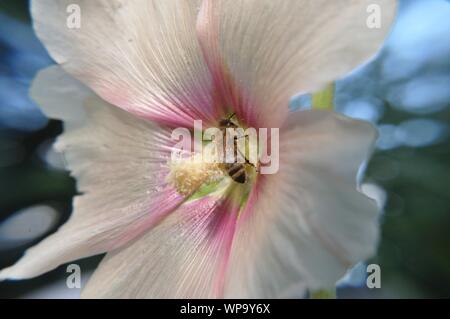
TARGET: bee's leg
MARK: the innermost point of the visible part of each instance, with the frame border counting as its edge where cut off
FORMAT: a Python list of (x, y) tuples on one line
[(250, 163), (245, 158), (254, 166)]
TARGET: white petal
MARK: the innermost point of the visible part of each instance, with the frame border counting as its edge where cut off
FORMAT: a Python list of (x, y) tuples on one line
[(183, 257), (63, 98), (140, 55), (274, 49), (120, 164), (308, 223)]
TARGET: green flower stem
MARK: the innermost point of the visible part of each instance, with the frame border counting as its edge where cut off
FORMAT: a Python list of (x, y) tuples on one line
[(324, 99), (323, 294)]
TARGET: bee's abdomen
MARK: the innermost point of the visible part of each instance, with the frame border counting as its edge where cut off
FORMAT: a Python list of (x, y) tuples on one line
[(237, 172)]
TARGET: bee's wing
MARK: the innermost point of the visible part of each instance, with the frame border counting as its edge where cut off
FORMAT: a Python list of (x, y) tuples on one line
[(229, 150)]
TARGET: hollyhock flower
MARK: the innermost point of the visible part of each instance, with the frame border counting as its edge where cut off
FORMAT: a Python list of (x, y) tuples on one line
[(146, 67)]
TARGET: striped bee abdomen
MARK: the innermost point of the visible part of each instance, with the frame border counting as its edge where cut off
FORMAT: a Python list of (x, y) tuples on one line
[(237, 172)]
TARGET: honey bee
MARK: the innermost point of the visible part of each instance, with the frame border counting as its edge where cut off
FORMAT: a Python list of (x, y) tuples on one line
[(237, 171)]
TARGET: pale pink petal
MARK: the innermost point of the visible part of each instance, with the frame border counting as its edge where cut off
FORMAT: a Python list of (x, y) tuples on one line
[(140, 55), (119, 162), (185, 256), (262, 52), (307, 224)]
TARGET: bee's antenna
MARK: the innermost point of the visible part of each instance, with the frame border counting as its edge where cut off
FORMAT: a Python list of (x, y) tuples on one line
[(231, 116)]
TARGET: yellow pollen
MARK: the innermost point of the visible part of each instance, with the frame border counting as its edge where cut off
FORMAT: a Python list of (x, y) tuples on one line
[(189, 174)]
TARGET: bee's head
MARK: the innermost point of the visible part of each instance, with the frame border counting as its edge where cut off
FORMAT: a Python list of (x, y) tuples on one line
[(226, 123)]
